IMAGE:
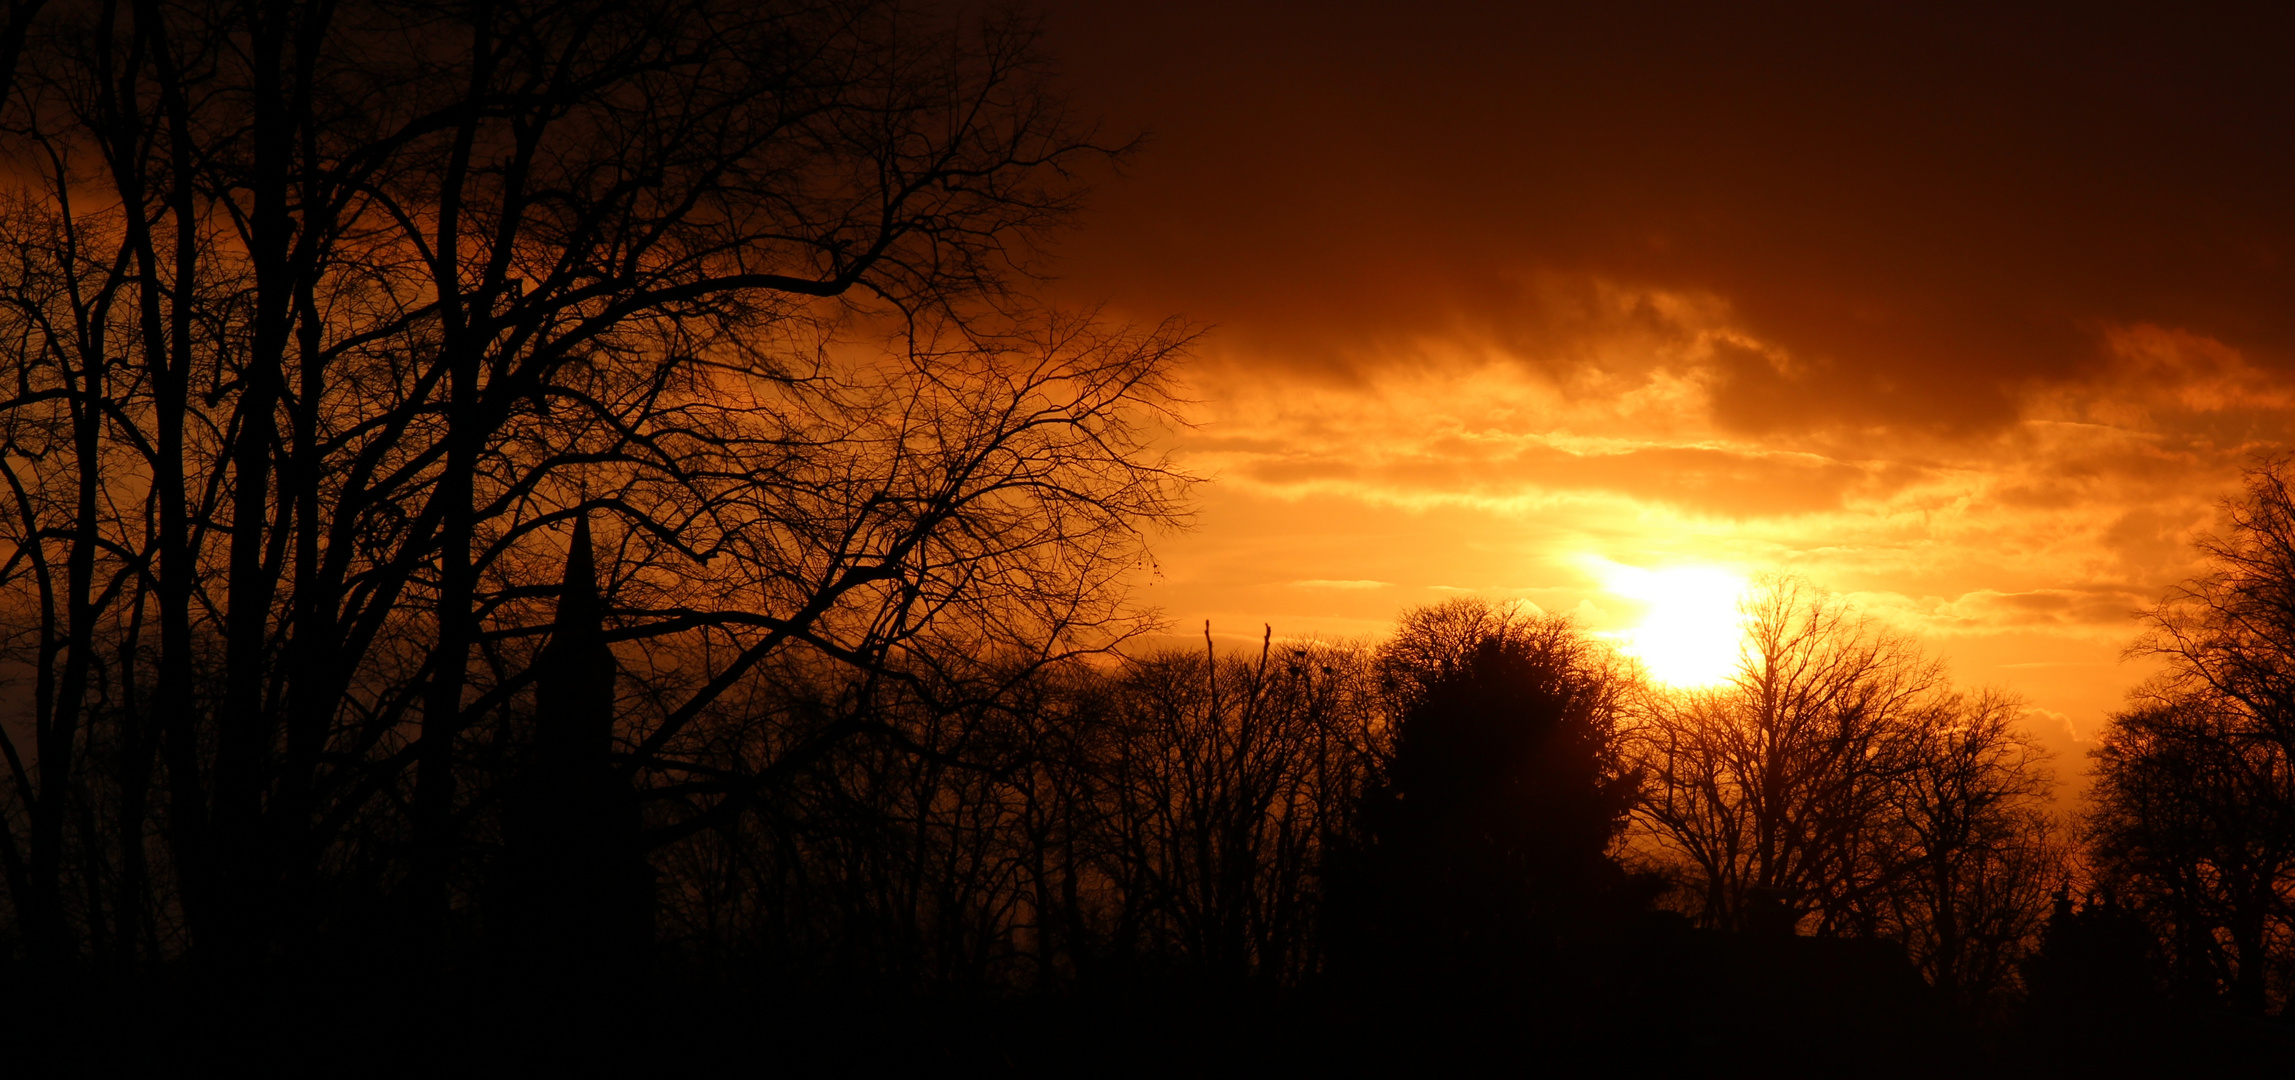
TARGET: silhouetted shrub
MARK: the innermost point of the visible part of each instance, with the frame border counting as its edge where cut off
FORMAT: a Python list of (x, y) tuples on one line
[(1485, 844)]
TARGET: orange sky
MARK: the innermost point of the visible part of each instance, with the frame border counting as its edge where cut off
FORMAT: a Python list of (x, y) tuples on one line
[(1969, 313)]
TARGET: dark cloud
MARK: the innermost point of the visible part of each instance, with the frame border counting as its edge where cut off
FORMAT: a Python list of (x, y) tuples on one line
[(1915, 214), (1721, 483), (1989, 612)]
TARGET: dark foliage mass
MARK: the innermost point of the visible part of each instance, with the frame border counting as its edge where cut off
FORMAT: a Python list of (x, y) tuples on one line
[(558, 530), (1487, 836)]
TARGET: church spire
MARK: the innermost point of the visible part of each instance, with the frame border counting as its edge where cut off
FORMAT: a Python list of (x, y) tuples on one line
[(581, 611), (573, 886)]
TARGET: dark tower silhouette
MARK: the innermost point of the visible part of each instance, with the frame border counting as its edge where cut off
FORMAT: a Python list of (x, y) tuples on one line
[(574, 896)]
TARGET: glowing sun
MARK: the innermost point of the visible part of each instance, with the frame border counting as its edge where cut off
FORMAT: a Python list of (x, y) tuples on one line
[(1692, 630)]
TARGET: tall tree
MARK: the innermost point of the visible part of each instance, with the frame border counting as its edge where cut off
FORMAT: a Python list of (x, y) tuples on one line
[(328, 318), (1978, 848), (1838, 785), (2189, 823), (2193, 808), (1775, 787), (1223, 781), (1487, 837), (2225, 632)]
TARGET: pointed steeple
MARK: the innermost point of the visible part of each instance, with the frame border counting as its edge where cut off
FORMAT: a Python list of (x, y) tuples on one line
[(581, 611), (575, 678), (573, 887)]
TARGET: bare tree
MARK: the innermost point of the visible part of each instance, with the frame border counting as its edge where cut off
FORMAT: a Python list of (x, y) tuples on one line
[(2193, 816), (1224, 781), (1979, 855), (1840, 784), (2188, 824), (1772, 787), (1438, 639), (370, 302), (2225, 633), (1086, 825)]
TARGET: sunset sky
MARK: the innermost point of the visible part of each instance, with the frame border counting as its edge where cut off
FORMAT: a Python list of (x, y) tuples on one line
[(1969, 313)]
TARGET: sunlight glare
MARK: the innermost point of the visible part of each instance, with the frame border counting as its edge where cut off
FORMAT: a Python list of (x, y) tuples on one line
[(1690, 635)]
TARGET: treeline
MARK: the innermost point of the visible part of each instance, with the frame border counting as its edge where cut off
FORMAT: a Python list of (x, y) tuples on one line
[(1490, 802), (1230, 815), (329, 332), (578, 496), (1099, 824)]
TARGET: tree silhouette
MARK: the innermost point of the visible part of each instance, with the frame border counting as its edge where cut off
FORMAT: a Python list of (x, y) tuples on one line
[(1839, 786), (2225, 633), (2192, 816), (1487, 838), (379, 300), (585, 485), (1776, 786), (2188, 821), (2094, 969)]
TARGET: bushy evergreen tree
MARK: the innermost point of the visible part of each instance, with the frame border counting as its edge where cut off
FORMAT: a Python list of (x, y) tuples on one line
[(1486, 845)]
